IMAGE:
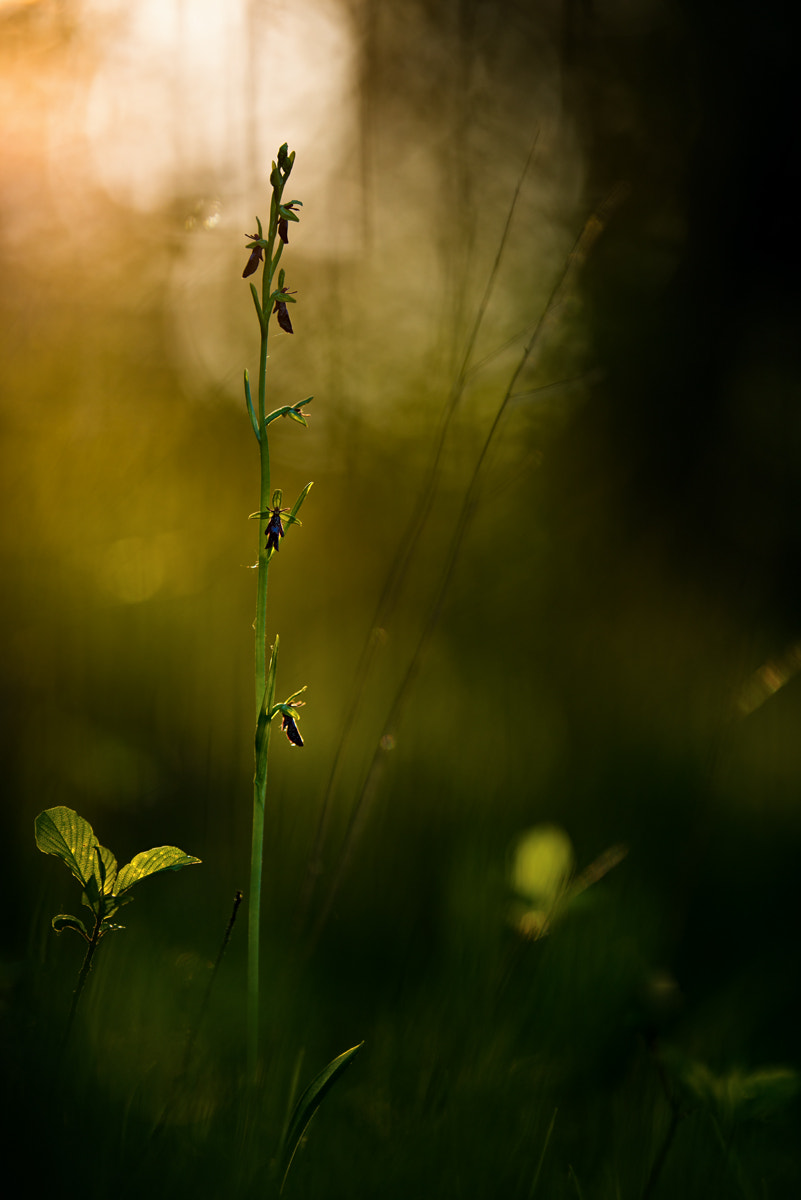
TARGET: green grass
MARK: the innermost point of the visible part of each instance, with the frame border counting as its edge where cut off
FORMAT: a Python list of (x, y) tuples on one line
[(494, 1066)]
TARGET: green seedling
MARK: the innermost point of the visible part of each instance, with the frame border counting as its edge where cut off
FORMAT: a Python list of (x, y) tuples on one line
[(105, 886)]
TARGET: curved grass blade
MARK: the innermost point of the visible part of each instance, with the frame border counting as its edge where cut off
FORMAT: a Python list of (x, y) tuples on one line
[(253, 418), (293, 512), (308, 1104), (545, 1145), (265, 716)]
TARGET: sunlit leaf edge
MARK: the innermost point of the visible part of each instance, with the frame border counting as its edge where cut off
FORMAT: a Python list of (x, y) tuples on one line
[(60, 831), (152, 862), (62, 921), (309, 1102)]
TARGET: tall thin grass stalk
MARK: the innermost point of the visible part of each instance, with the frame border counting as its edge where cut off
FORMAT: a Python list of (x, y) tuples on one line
[(273, 301), (543, 1152), (590, 233), (403, 555), (204, 1004), (571, 1174)]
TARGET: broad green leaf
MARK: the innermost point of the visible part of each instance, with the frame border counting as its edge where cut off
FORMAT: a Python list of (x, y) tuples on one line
[(151, 862), (101, 882), (91, 893), (109, 869), (62, 832), (308, 1104), (103, 864), (111, 904), (66, 921)]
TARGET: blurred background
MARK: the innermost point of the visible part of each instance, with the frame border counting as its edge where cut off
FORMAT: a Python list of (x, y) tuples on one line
[(547, 307)]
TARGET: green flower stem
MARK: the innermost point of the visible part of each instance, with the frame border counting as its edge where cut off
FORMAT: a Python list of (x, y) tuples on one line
[(260, 774), (265, 491), (254, 902), (265, 680), (263, 729), (264, 565), (83, 974)]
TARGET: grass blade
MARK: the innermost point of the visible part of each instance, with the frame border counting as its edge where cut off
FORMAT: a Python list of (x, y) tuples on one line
[(545, 1145), (308, 1104)]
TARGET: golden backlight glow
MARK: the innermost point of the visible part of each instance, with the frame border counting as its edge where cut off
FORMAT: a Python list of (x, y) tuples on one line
[(157, 102), (134, 569), (183, 91)]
